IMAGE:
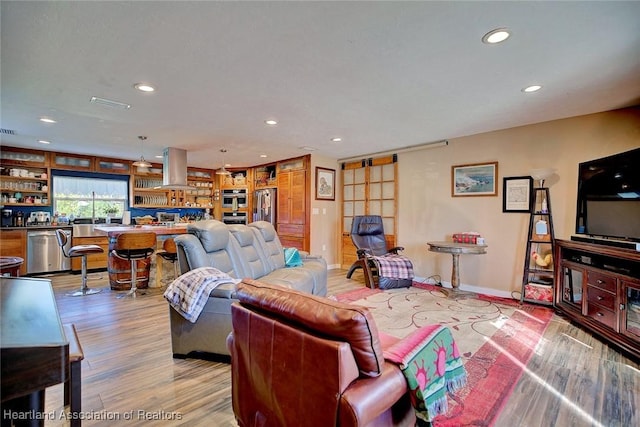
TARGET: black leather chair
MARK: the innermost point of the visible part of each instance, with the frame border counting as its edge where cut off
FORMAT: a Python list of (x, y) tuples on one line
[(367, 234)]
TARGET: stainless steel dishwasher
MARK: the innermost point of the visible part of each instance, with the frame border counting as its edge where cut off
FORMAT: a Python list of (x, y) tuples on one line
[(44, 255)]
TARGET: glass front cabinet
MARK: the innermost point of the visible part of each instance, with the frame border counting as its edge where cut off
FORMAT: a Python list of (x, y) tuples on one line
[(631, 313), (572, 279)]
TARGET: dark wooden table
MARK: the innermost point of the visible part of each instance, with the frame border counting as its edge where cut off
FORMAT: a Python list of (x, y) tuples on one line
[(34, 349), (10, 265)]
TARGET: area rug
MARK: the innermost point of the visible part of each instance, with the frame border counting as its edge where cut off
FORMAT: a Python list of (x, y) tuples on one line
[(496, 337)]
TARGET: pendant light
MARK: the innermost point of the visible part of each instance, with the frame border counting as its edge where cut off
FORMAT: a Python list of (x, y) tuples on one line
[(222, 170), (142, 163)]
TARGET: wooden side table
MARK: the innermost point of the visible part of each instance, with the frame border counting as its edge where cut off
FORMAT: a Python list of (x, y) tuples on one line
[(10, 266), (455, 249)]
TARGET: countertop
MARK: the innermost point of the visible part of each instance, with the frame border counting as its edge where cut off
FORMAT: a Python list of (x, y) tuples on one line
[(158, 229), (39, 227)]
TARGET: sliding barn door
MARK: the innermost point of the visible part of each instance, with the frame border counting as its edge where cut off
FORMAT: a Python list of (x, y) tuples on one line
[(369, 188)]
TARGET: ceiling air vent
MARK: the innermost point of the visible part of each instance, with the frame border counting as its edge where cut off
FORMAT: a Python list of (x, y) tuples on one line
[(7, 131), (110, 103)]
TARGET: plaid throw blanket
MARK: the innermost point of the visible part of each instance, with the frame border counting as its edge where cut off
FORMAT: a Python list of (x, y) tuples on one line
[(188, 293), (394, 266), (431, 363)]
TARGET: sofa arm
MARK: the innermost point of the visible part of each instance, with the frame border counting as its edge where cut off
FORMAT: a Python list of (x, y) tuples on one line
[(230, 342), (367, 398), (191, 253)]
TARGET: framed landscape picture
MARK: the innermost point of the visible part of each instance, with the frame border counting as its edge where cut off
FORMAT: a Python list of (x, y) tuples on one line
[(325, 184), (476, 179), (516, 194)]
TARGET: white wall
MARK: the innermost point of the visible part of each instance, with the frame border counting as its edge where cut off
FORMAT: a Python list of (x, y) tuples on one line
[(427, 212)]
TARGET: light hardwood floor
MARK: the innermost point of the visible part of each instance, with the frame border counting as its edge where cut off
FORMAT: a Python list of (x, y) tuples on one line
[(128, 370)]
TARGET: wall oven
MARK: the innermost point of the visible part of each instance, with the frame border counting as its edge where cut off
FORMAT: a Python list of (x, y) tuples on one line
[(234, 217), (234, 198)]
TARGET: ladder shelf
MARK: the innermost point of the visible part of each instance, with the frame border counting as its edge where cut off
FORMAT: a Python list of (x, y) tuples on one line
[(537, 277)]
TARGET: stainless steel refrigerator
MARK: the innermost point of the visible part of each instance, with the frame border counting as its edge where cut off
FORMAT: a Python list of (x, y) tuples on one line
[(264, 205)]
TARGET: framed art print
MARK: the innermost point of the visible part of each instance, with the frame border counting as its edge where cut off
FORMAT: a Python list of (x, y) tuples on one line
[(516, 194), (325, 184), (477, 179)]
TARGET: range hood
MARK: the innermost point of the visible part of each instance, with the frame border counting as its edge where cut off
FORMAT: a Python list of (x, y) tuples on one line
[(174, 169)]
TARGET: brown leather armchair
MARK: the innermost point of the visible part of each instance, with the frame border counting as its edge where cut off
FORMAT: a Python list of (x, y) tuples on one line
[(303, 360)]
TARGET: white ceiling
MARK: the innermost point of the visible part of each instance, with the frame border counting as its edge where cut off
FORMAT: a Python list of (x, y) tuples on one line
[(381, 75)]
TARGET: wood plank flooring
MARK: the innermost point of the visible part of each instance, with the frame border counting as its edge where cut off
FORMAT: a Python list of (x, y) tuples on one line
[(129, 376)]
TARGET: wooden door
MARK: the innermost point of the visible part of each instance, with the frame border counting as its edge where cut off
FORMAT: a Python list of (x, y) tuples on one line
[(297, 190), (369, 188), (284, 198), (293, 203)]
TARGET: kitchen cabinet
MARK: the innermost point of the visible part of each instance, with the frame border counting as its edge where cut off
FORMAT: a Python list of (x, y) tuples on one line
[(88, 163), (77, 162), (238, 178), (24, 177), (294, 202), (94, 261), (202, 195), (24, 157), (264, 176), (598, 287), (107, 165), (14, 243), (144, 191), (146, 194)]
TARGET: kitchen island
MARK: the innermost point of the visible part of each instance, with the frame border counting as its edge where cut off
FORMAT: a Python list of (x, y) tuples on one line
[(120, 270)]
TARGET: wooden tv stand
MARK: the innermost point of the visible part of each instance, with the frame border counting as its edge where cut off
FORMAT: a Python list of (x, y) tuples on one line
[(598, 287)]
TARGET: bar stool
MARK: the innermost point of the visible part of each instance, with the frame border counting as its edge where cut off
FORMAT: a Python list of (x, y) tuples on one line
[(79, 251), (134, 247), (169, 253)]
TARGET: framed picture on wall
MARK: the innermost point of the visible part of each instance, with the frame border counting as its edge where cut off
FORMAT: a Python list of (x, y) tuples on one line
[(516, 194), (476, 179), (325, 184)]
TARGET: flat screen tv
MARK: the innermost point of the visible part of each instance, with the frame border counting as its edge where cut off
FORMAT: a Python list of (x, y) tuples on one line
[(609, 197)]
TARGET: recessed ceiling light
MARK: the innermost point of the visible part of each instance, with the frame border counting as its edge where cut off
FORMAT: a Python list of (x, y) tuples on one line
[(47, 120), (307, 148), (144, 87), (159, 157), (42, 141), (264, 156), (496, 36), (271, 122), (336, 139), (532, 88)]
